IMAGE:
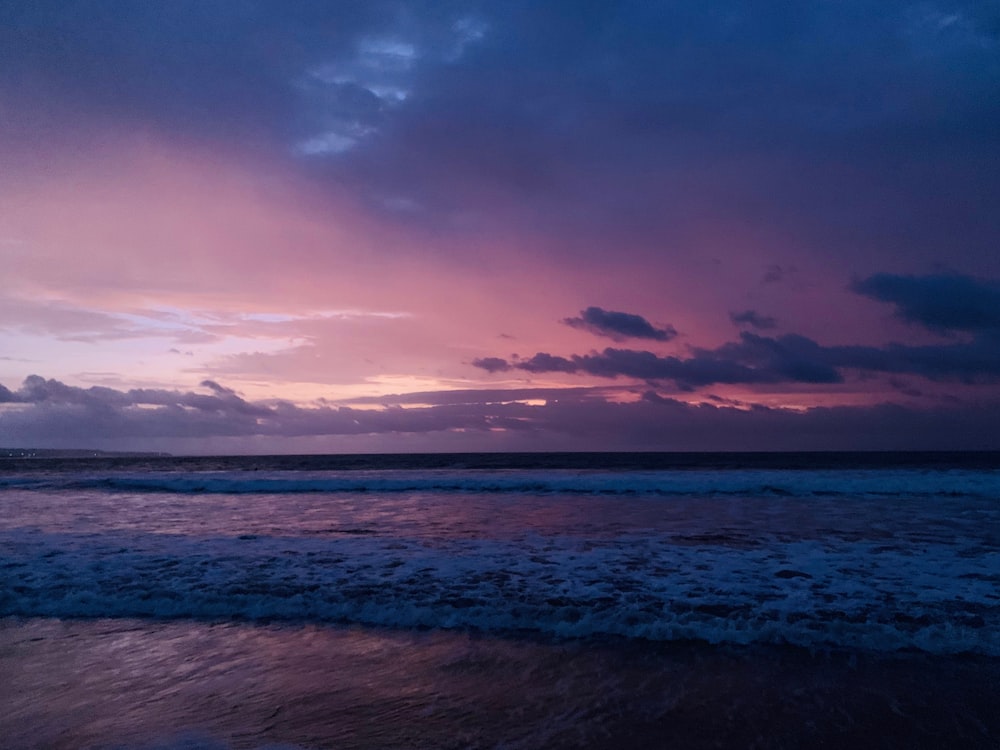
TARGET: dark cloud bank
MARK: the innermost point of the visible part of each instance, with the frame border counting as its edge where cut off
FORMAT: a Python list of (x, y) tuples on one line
[(604, 117), (965, 309), (755, 360), (946, 303), (47, 413)]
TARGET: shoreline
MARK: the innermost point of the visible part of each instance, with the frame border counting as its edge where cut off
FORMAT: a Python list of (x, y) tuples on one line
[(141, 684)]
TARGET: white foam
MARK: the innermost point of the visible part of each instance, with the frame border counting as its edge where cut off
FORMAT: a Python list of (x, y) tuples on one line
[(816, 593), (878, 559)]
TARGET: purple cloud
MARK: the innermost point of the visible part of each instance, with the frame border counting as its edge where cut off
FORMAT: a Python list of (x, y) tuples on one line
[(944, 302), (953, 303), (619, 325), (543, 362), (775, 273), (56, 414), (491, 364), (753, 319), (791, 358)]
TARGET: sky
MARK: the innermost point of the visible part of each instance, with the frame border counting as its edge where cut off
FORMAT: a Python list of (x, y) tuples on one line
[(282, 226)]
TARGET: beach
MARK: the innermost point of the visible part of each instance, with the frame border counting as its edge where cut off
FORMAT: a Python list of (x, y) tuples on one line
[(424, 603), (136, 684)]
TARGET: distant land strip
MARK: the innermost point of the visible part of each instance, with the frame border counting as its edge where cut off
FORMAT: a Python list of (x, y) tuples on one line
[(74, 453)]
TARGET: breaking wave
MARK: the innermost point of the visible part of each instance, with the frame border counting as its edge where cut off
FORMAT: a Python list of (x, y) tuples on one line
[(807, 593), (756, 483)]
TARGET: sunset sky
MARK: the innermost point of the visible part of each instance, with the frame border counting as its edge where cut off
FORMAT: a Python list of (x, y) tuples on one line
[(306, 226)]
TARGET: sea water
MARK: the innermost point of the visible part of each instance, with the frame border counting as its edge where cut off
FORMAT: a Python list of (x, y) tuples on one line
[(537, 600)]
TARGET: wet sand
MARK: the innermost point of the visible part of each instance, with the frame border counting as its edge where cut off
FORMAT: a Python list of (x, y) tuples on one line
[(141, 684)]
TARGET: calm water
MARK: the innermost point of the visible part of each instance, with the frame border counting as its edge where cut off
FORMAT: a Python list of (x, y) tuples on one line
[(601, 600)]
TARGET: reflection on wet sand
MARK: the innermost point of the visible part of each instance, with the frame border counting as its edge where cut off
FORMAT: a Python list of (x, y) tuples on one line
[(136, 684)]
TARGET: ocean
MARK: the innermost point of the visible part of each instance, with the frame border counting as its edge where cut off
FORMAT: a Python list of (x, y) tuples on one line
[(501, 601)]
